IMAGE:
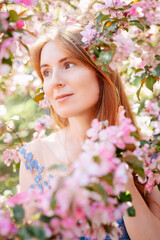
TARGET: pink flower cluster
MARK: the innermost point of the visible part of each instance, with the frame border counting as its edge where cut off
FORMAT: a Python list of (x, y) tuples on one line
[(26, 2), (3, 19), (114, 3), (87, 193), (45, 122), (151, 167), (125, 46), (152, 109), (44, 103), (10, 155), (89, 33), (7, 227)]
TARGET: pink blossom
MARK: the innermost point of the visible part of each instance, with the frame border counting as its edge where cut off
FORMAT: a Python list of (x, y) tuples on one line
[(133, 11), (38, 127), (89, 33), (5, 46), (26, 2), (6, 226), (4, 69), (20, 24), (93, 131), (8, 138), (44, 103), (55, 224), (3, 19), (121, 176), (10, 156), (18, 199), (113, 3)]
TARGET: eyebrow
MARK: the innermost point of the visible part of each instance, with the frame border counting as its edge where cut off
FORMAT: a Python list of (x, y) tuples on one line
[(60, 61)]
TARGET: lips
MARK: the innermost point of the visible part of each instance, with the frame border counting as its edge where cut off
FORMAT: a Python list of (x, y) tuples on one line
[(63, 96)]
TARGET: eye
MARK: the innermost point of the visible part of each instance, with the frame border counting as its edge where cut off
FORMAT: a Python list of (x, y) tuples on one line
[(69, 65), (46, 73)]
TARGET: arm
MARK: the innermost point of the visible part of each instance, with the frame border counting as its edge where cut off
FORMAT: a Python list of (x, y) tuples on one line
[(26, 179), (146, 224)]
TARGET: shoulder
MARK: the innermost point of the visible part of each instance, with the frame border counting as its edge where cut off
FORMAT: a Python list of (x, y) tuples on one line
[(32, 167), (35, 148), (153, 199)]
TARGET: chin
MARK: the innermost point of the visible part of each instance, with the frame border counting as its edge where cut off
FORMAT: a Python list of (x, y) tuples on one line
[(68, 114)]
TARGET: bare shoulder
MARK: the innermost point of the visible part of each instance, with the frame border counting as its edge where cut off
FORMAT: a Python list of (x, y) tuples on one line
[(43, 152), (154, 201)]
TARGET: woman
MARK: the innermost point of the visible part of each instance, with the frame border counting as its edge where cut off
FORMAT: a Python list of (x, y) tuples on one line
[(79, 91)]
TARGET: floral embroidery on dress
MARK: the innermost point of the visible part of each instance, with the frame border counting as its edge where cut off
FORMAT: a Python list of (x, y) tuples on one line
[(32, 164)]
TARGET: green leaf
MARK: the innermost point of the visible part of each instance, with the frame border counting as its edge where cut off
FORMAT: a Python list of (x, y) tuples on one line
[(151, 80), (59, 167), (7, 61), (73, 6), (18, 213), (159, 104), (24, 45), (108, 178), (53, 202), (39, 97), (105, 69), (136, 81), (157, 57), (144, 75), (101, 17), (28, 232), (139, 70), (142, 105), (131, 211), (13, 16), (45, 219), (105, 57), (138, 170), (2, 128), (138, 92), (119, 152), (135, 164), (157, 71), (96, 52), (133, 160), (27, 18), (137, 23), (142, 142), (47, 7), (99, 189), (125, 197)]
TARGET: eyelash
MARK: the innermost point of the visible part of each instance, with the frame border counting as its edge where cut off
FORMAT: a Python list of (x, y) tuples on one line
[(44, 73), (65, 65), (68, 63)]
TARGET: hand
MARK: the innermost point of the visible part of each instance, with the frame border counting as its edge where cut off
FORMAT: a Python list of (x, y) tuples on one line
[(120, 109)]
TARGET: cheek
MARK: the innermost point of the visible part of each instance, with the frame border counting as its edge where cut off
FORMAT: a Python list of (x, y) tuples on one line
[(90, 87), (47, 89)]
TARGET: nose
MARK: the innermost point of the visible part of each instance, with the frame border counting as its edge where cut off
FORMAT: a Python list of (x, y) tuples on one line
[(57, 79)]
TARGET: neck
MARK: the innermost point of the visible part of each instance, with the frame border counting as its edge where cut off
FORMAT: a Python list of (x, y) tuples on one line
[(77, 128)]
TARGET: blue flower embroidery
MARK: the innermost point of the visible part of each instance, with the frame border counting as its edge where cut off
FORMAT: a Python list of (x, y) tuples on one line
[(32, 164)]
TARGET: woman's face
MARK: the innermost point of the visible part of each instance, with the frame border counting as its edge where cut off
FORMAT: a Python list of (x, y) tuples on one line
[(71, 87)]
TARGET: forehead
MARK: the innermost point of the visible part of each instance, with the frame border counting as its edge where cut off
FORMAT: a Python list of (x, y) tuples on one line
[(52, 52)]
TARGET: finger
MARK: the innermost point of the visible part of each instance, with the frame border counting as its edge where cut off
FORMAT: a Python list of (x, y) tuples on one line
[(120, 109)]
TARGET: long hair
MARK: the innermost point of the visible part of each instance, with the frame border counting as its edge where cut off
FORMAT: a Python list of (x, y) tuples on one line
[(112, 93)]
